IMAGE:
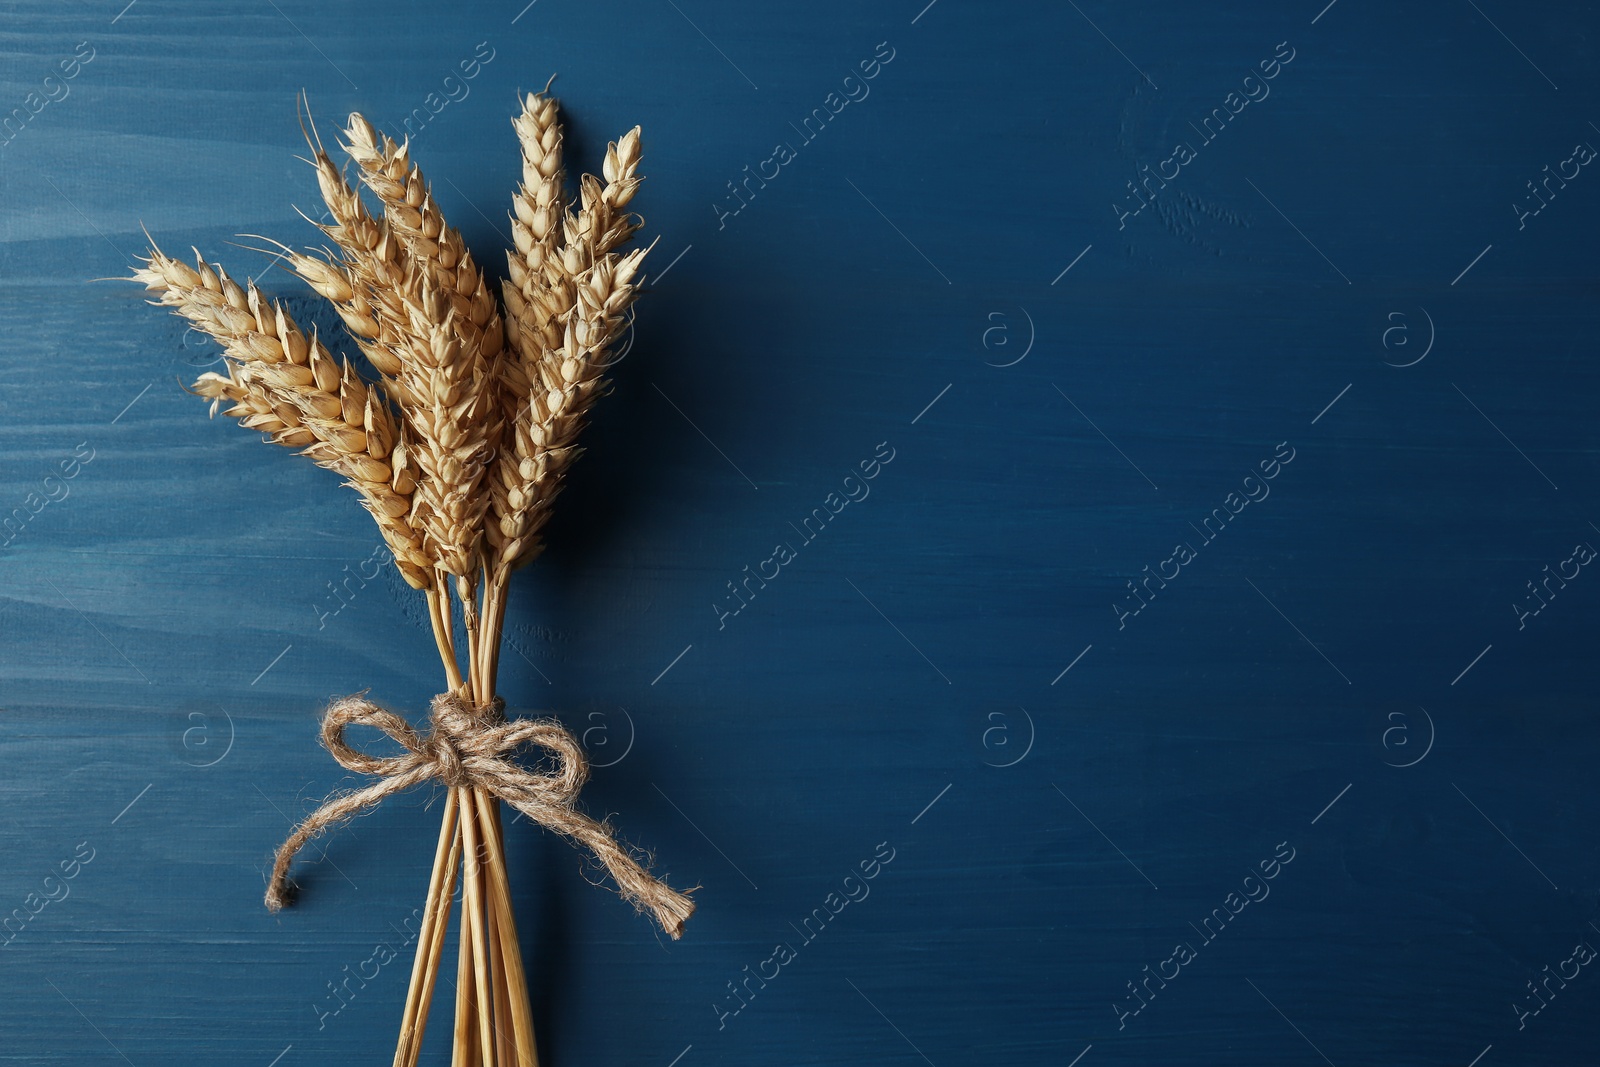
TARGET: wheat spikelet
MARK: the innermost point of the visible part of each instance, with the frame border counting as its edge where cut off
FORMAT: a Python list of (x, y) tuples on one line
[(600, 223), (288, 386)]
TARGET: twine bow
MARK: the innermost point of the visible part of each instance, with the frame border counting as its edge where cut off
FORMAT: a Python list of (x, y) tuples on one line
[(467, 747)]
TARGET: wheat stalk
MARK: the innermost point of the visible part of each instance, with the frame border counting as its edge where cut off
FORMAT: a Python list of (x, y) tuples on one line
[(458, 449)]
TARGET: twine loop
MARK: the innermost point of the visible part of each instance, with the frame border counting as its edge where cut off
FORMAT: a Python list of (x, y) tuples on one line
[(468, 746)]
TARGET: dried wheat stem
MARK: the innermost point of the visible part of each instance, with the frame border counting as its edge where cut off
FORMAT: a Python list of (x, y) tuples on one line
[(430, 939), (474, 924), (436, 952), (501, 953), (439, 616), (430, 935), (520, 1021), (494, 613), (464, 1042), (503, 1053)]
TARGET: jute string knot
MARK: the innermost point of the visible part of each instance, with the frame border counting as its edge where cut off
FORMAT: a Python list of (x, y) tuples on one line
[(467, 747), (455, 729)]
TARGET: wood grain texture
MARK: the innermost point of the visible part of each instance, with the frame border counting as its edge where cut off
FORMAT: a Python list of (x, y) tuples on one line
[(947, 668)]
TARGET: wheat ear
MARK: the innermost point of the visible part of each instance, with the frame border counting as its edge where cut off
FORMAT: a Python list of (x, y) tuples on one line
[(538, 289), (565, 295), (567, 381), (414, 216), (362, 281), (448, 342), (287, 385), (449, 412)]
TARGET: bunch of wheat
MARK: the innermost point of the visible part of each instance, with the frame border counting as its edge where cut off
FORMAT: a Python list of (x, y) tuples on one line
[(458, 448)]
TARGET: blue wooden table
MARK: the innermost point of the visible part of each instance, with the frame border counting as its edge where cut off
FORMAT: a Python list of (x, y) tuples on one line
[(1087, 561)]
